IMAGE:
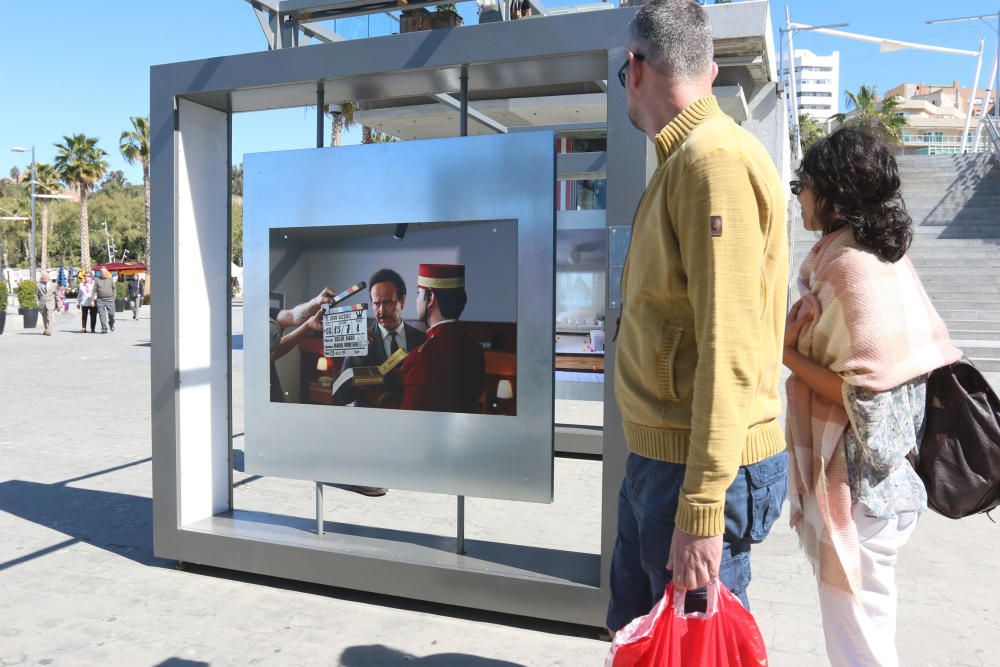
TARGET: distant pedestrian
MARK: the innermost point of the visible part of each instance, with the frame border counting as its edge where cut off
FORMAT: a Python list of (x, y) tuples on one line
[(87, 302), (134, 295), (46, 293), (104, 292)]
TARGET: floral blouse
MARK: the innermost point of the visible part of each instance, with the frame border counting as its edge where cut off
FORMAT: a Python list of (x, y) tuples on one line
[(885, 427)]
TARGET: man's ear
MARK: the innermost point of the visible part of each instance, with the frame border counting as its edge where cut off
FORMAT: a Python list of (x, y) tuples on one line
[(715, 70), (635, 73)]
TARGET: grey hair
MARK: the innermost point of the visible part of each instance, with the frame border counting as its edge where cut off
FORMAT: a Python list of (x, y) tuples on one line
[(675, 37)]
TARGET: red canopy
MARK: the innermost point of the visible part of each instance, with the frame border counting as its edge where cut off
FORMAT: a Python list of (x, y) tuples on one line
[(118, 266)]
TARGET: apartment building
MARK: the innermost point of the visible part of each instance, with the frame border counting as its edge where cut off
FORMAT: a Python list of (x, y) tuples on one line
[(817, 83)]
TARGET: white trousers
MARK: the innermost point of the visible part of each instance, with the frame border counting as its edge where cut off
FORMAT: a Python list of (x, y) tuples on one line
[(863, 633)]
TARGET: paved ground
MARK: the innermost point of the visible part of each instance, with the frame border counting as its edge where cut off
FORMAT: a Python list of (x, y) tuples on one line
[(79, 584)]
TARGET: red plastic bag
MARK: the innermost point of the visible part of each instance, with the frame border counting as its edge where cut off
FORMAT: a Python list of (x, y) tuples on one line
[(725, 635)]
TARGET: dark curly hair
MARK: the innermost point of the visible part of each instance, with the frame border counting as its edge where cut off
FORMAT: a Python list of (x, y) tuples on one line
[(855, 181)]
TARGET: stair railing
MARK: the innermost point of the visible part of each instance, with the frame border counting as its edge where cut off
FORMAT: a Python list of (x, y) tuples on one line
[(993, 129)]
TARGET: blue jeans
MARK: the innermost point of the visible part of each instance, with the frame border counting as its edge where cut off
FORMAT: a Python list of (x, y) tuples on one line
[(647, 505)]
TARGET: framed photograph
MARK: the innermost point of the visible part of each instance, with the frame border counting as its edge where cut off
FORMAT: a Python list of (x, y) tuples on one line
[(412, 347)]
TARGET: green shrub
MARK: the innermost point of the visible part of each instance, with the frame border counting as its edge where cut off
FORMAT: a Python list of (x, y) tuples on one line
[(26, 297), (121, 289), (447, 7), (3, 294)]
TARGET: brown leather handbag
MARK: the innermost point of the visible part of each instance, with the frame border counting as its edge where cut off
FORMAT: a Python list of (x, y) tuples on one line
[(959, 455)]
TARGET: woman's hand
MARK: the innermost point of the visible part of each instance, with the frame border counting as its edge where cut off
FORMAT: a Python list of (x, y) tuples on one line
[(805, 310)]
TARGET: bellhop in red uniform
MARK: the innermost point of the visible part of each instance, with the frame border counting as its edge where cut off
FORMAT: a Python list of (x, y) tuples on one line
[(445, 373)]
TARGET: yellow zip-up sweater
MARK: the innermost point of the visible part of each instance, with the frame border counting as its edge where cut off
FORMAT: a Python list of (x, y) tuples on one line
[(704, 298)]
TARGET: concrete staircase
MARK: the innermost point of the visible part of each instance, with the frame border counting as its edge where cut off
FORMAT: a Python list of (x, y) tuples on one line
[(955, 204)]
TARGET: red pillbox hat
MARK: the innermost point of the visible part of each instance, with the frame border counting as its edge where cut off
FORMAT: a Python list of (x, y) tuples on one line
[(441, 276)]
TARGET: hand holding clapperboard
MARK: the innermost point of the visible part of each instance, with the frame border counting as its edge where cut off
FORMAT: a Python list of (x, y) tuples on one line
[(345, 334)]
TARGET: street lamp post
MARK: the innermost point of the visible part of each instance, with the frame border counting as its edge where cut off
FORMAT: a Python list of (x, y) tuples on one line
[(18, 149)]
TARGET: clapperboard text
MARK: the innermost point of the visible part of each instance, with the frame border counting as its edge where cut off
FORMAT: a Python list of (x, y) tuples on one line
[(345, 331)]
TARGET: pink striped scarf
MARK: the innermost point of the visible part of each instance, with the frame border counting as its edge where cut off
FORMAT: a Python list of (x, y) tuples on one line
[(877, 330)]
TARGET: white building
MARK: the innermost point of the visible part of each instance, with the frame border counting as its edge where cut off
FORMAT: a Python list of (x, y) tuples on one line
[(817, 83)]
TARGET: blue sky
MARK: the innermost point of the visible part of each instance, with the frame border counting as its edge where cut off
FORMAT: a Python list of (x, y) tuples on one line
[(72, 66)]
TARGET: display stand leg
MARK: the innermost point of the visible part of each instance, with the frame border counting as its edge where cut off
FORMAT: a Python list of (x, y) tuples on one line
[(319, 508), (460, 538)]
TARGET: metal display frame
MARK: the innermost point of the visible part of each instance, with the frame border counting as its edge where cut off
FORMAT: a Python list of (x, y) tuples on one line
[(191, 107)]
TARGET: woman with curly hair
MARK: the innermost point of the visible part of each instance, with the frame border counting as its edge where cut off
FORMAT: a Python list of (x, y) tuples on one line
[(860, 343)]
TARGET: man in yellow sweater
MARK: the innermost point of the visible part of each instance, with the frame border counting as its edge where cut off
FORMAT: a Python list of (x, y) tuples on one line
[(700, 337)]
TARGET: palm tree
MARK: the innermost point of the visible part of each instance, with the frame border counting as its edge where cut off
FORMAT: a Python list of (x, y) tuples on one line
[(46, 183), (809, 131), (876, 117), (80, 164), (134, 145), (342, 120)]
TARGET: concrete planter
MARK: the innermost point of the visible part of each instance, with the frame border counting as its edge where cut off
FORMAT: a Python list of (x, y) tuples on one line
[(30, 317)]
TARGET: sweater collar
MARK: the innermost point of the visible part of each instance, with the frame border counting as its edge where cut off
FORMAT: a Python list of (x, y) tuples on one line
[(677, 130)]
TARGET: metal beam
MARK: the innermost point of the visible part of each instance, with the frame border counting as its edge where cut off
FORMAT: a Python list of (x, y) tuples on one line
[(267, 12), (265, 24), (450, 101), (309, 11)]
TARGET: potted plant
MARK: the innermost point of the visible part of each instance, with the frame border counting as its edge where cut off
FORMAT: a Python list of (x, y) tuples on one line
[(121, 289), (3, 304), (413, 20), (27, 300), (445, 16)]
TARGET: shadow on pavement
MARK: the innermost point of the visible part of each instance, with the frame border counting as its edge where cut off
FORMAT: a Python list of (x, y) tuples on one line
[(116, 522), (181, 662), (377, 655)]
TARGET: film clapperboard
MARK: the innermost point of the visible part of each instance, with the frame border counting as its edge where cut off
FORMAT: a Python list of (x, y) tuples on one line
[(345, 330)]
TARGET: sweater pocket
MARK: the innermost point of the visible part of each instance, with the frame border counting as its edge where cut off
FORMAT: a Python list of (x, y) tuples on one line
[(666, 353)]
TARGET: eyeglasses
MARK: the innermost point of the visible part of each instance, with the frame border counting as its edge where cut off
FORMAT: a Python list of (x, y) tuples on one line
[(797, 187), (624, 68)]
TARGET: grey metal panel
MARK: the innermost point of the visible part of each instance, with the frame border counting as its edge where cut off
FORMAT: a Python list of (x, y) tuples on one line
[(579, 440), (582, 166), (545, 583), (163, 332), (539, 41), (459, 454), (629, 169)]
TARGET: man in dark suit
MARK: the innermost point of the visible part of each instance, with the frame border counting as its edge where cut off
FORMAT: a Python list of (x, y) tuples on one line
[(446, 373), (389, 333)]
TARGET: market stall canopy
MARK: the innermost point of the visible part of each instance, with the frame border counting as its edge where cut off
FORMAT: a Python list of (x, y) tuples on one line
[(122, 268)]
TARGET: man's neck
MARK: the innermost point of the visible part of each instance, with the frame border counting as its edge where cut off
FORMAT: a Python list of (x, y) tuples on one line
[(673, 101), (387, 330), (438, 323)]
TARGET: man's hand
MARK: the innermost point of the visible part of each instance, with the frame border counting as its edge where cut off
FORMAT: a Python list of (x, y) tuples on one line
[(316, 321), (326, 296), (694, 560)]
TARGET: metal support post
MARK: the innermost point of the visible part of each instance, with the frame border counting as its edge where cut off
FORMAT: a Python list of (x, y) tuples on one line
[(320, 103), (972, 99), (463, 111), (463, 131), (796, 140), (990, 91), (319, 508), (460, 536), (34, 169)]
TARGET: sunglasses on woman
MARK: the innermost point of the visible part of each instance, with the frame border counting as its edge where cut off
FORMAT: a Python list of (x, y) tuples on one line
[(797, 187)]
